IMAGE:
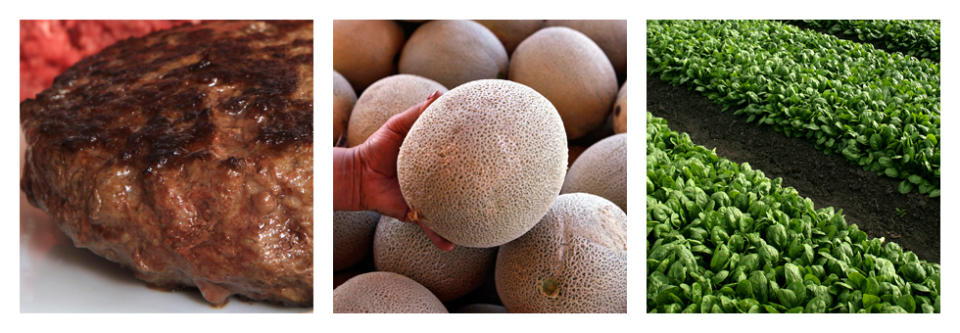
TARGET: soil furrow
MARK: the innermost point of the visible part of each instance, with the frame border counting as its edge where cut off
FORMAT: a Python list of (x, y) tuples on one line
[(868, 200)]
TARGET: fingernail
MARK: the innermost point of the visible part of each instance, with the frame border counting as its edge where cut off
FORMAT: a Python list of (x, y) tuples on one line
[(434, 95)]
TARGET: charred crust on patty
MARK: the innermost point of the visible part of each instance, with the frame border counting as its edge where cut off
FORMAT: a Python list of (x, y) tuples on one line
[(186, 155)]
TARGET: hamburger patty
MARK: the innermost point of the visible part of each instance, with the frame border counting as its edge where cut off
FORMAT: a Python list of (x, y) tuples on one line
[(186, 155), (48, 47)]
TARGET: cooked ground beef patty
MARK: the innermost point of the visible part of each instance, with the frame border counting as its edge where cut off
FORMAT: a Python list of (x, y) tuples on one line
[(186, 155)]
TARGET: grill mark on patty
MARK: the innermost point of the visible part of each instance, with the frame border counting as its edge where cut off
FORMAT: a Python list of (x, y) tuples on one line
[(153, 99), (191, 144)]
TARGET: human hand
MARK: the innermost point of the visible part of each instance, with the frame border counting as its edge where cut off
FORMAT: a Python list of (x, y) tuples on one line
[(376, 160)]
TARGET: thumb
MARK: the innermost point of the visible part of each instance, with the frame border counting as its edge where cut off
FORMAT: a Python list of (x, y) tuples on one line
[(403, 121)]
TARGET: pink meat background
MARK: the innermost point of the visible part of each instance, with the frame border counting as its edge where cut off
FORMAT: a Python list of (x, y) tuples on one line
[(48, 47)]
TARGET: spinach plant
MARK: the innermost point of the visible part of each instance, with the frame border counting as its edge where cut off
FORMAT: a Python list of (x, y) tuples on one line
[(877, 109), (918, 38), (722, 237)]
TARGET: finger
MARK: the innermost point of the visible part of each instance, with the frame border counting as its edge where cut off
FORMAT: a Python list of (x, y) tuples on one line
[(401, 122), (394, 211), (442, 243), (388, 201)]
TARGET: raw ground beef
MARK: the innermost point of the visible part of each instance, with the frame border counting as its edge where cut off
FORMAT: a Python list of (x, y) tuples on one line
[(48, 47)]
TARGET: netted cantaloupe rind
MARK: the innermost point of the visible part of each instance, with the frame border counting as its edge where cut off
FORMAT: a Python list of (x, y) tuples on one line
[(454, 52), (572, 72), (344, 99), (574, 260), (512, 32), (483, 163), (601, 170), (352, 236), (404, 249), (384, 292), (365, 51), (610, 36), (385, 98)]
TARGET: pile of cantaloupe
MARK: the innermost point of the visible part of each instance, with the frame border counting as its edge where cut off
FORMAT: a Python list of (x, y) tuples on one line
[(517, 163)]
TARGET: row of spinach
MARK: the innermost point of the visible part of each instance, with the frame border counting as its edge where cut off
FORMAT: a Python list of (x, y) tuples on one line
[(722, 237), (918, 38), (880, 110)]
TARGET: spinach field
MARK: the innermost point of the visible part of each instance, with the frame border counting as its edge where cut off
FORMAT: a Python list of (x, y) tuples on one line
[(820, 189)]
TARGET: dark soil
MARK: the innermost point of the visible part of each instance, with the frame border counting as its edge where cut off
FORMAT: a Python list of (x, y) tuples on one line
[(870, 201)]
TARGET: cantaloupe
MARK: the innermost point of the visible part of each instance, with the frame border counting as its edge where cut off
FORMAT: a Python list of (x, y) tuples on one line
[(404, 249), (512, 32), (483, 163), (343, 100), (574, 260), (366, 50), (385, 98), (601, 170), (610, 35), (572, 72), (620, 111), (481, 308), (453, 53), (384, 292), (352, 236)]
